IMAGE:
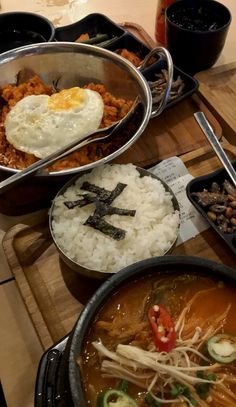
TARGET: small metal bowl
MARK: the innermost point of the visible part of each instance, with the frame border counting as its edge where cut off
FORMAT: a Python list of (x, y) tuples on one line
[(95, 273)]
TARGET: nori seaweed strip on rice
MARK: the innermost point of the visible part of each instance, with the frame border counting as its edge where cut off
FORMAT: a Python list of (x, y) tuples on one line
[(103, 209), (102, 200), (97, 222), (85, 200), (103, 194)]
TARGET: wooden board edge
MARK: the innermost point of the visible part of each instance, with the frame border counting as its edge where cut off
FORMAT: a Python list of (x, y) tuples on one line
[(215, 71), (137, 29), (204, 77), (31, 305), (190, 156)]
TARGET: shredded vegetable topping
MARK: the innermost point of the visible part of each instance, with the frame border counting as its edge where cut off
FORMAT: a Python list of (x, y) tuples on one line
[(184, 374)]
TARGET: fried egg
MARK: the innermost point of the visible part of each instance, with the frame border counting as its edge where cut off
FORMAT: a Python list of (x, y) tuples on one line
[(41, 124)]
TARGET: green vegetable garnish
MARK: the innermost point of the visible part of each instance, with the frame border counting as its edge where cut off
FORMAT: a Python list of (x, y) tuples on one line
[(115, 398), (202, 389), (181, 389), (151, 401), (222, 348), (123, 385)]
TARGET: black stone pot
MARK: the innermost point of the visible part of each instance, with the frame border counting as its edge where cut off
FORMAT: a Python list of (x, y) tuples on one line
[(59, 381)]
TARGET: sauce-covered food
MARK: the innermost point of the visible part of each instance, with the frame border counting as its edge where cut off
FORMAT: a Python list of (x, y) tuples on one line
[(163, 340), (219, 202)]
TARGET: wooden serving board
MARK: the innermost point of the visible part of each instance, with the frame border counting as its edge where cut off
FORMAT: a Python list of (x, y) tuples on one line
[(54, 295), (175, 132), (218, 90)]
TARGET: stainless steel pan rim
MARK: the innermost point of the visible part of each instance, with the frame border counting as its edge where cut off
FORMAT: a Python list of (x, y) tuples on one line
[(15, 56)]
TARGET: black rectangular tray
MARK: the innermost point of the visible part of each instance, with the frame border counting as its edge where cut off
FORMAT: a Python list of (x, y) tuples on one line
[(99, 23), (92, 24), (198, 184)]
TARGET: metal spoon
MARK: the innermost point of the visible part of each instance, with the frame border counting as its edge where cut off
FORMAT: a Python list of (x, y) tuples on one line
[(211, 137), (107, 132)]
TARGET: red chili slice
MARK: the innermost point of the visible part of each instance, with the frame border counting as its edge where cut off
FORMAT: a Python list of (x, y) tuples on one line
[(162, 328)]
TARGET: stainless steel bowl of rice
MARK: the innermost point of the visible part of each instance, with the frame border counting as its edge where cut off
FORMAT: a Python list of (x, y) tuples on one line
[(113, 216)]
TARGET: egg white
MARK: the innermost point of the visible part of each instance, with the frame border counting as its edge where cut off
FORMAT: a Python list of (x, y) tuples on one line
[(41, 124)]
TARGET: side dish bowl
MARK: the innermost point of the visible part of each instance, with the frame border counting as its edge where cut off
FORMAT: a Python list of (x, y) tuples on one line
[(225, 228), (20, 28)]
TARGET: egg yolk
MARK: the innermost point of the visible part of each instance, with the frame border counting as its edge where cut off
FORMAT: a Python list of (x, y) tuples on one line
[(67, 99)]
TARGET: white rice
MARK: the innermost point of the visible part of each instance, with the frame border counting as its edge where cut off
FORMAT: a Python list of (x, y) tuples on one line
[(151, 232)]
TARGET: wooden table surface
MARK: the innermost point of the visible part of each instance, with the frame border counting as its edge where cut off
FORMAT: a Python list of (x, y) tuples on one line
[(20, 348)]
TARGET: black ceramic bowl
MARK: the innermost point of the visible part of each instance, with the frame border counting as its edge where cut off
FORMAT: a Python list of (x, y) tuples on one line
[(21, 28), (196, 31), (205, 182), (46, 384)]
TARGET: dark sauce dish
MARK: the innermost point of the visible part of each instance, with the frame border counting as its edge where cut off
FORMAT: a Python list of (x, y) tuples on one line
[(18, 29), (204, 182)]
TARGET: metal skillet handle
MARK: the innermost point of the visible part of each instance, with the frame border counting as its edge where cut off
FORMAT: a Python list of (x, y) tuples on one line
[(163, 53)]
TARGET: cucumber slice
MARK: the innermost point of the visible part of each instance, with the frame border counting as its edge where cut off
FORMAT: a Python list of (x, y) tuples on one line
[(116, 398), (222, 348)]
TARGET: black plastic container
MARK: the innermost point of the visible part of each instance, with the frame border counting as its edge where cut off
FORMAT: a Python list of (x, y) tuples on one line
[(204, 182), (131, 43), (92, 24), (21, 28), (194, 49)]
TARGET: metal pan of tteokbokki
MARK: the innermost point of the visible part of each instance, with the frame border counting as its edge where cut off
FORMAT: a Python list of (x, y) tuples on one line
[(101, 86)]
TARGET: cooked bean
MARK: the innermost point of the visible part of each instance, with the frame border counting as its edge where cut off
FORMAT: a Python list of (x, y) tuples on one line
[(233, 204), (233, 221), (220, 204), (211, 215), (229, 212)]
